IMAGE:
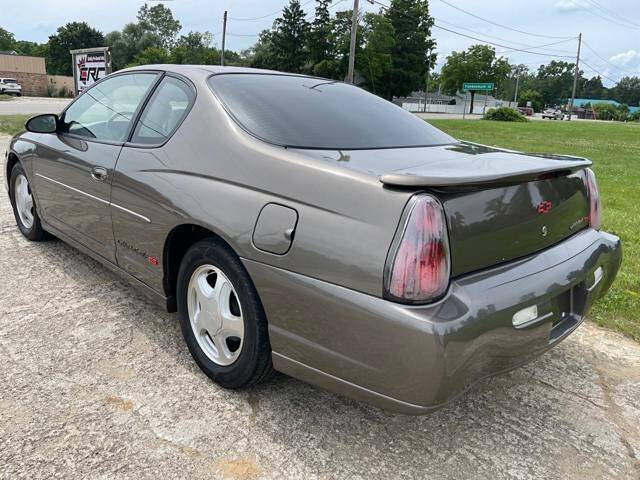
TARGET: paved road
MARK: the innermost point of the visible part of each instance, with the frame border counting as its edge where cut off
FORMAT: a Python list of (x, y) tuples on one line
[(33, 105), (96, 382)]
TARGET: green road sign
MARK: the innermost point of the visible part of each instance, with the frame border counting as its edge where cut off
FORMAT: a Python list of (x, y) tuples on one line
[(477, 86)]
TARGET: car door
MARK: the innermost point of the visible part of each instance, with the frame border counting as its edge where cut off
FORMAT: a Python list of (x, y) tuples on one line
[(142, 184), (74, 168)]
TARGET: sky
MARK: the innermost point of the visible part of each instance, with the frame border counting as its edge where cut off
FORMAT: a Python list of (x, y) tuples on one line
[(610, 28)]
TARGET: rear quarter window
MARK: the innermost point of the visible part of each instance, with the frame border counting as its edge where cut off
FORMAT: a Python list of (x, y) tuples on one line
[(306, 112)]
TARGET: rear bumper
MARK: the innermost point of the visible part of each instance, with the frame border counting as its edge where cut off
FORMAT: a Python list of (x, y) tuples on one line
[(11, 90), (413, 359)]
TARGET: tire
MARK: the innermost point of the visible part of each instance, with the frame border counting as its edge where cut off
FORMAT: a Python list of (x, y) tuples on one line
[(30, 229), (207, 263)]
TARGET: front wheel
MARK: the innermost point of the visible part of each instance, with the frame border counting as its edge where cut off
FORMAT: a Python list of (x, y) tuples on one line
[(221, 316), (24, 207)]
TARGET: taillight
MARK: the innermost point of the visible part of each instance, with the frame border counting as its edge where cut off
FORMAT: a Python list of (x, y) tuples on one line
[(595, 207), (418, 265)]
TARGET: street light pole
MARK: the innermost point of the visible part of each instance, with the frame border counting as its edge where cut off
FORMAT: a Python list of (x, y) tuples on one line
[(515, 97), (575, 76), (352, 46)]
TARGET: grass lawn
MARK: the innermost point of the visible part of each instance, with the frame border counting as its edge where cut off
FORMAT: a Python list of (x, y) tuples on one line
[(12, 124), (614, 149), (4, 97)]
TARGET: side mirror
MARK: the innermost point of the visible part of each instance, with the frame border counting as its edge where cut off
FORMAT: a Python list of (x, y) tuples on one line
[(47, 123)]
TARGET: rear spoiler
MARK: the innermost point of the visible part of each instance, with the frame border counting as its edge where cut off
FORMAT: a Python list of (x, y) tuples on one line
[(488, 166)]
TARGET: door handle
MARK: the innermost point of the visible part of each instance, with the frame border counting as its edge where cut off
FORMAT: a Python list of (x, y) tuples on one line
[(99, 173)]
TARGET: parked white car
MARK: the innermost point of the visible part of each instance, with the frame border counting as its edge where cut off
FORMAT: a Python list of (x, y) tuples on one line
[(552, 114), (10, 86)]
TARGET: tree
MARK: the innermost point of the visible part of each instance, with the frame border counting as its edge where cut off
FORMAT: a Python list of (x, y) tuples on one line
[(555, 81), (413, 47), (125, 45), (379, 40), (533, 96), (477, 64), (150, 56), (320, 41), (627, 90), (72, 36), (591, 88), (24, 47), (7, 40), (159, 21), (337, 69), (289, 38), (262, 53), (194, 48), (519, 75)]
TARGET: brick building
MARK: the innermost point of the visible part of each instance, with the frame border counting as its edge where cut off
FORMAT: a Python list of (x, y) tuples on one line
[(29, 71)]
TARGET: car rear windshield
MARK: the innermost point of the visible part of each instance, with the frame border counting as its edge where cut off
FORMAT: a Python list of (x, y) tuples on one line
[(305, 112), (9, 80)]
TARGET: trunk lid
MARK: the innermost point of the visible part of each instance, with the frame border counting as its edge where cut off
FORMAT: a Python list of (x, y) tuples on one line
[(493, 225), (502, 205)]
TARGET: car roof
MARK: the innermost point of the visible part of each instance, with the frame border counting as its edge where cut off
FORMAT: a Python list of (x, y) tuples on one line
[(199, 70)]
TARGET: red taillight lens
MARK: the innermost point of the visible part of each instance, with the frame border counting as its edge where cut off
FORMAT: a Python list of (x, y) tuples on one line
[(418, 265), (595, 207)]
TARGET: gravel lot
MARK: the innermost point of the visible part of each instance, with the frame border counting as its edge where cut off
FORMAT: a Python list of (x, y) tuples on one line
[(97, 383)]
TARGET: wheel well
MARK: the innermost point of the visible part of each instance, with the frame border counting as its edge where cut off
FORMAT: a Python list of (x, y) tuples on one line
[(179, 240), (11, 162)]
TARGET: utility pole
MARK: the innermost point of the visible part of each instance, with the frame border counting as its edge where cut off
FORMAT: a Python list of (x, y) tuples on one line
[(515, 97), (352, 46), (224, 36), (575, 76)]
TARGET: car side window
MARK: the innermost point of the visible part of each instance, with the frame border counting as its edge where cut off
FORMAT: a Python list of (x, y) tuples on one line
[(105, 111), (166, 109)]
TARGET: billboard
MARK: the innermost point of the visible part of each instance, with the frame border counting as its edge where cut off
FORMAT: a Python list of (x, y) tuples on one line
[(89, 66)]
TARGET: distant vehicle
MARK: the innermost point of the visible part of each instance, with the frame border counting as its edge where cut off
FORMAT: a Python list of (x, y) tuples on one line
[(528, 111), (10, 86), (552, 114)]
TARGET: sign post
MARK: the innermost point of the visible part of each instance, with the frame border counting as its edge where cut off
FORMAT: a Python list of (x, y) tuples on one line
[(89, 65), (475, 87), (485, 87)]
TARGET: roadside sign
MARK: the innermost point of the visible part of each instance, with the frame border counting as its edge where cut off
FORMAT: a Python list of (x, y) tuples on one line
[(477, 86), (89, 66)]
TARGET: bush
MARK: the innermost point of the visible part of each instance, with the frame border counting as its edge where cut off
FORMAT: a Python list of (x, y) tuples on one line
[(505, 114), (65, 92)]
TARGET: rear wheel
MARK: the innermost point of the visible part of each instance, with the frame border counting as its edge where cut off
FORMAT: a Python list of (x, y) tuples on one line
[(24, 207), (221, 316)]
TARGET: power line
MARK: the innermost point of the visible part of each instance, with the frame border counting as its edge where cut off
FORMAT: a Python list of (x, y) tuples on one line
[(613, 13), (243, 34), (608, 62), (335, 3), (500, 25), (265, 16), (484, 41), (600, 15), (505, 40), (541, 46), (601, 74)]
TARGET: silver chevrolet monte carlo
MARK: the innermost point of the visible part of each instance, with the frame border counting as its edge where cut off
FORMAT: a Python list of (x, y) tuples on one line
[(306, 226)]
